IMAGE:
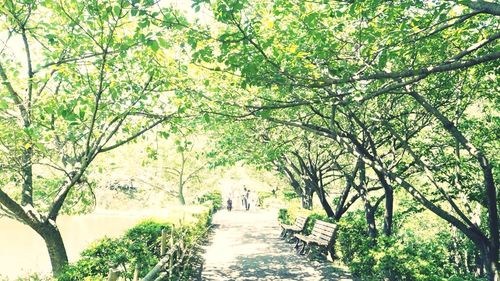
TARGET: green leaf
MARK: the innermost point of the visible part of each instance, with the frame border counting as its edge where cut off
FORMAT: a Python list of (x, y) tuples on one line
[(116, 10), (154, 45), (164, 43), (4, 104)]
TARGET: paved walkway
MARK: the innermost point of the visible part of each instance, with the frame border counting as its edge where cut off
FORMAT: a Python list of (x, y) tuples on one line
[(245, 246)]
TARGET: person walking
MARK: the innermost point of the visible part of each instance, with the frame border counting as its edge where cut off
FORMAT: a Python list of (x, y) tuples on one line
[(229, 204), (247, 199), (244, 198)]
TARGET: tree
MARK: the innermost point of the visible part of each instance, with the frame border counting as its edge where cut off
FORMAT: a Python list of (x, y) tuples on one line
[(87, 79), (188, 168), (377, 79)]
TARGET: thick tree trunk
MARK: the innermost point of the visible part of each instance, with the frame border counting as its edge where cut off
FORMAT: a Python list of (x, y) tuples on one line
[(306, 199), (370, 220), (490, 259), (55, 246)]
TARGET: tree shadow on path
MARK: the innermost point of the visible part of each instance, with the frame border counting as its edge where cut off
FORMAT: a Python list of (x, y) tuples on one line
[(245, 246)]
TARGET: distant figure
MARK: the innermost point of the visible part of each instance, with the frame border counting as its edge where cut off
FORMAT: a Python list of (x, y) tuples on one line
[(229, 204), (244, 198), (247, 199)]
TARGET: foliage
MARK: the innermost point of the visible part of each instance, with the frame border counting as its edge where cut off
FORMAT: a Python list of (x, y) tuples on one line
[(262, 198), (214, 196), (284, 216), (91, 76), (289, 195), (402, 90), (140, 246), (404, 256)]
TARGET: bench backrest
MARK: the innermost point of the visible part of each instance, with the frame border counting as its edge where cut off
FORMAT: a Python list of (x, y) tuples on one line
[(324, 231), (300, 222)]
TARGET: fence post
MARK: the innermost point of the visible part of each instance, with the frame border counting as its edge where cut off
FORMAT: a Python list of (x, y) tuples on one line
[(163, 248)]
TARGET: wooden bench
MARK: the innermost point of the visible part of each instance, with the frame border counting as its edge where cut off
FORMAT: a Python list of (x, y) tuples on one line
[(322, 236), (299, 225)]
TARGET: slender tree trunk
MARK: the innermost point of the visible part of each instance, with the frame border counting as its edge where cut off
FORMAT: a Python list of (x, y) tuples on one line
[(55, 246), (370, 220), (369, 210), (306, 199), (181, 180), (389, 203), (181, 194), (324, 201)]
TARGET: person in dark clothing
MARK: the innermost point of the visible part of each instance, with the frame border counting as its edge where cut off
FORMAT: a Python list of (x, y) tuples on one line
[(247, 199), (229, 204)]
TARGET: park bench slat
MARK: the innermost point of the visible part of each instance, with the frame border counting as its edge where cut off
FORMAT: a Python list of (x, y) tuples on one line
[(322, 234), (297, 227)]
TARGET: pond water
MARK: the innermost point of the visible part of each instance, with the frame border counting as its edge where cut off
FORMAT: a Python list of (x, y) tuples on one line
[(22, 251)]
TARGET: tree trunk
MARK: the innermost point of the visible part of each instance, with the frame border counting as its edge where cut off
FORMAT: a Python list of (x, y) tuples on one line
[(389, 203), (55, 246), (324, 201), (490, 261), (306, 199), (369, 210), (181, 194), (491, 195), (370, 220), (181, 180)]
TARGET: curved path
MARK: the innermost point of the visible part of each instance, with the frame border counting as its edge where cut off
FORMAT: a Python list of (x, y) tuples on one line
[(245, 246)]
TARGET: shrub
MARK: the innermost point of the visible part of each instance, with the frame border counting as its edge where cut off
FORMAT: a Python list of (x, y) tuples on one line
[(140, 245), (290, 195), (403, 256), (284, 217), (289, 215), (215, 197)]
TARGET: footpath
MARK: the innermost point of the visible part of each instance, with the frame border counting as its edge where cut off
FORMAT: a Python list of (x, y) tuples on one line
[(245, 246)]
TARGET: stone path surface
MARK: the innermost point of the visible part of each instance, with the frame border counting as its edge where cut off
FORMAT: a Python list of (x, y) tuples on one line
[(245, 246)]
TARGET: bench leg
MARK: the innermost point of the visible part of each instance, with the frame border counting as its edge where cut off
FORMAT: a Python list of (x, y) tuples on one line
[(283, 234), (302, 249), (331, 251), (297, 243), (308, 250)]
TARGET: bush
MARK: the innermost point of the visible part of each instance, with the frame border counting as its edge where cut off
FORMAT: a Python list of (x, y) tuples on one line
[(215, 197), (406, 255), (289, 215), (140, 245), (284, 216), (290, 195), (403, 256)]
